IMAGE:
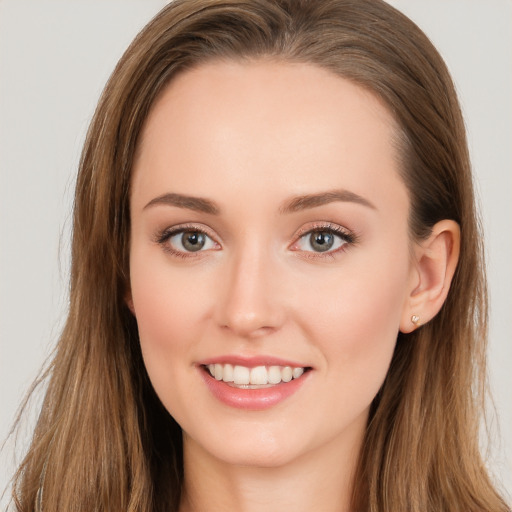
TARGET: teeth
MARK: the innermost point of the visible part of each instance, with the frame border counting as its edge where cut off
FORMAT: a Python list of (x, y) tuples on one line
[(274, 374), (297, 372), (227, 373), (241, 375), (286, 374), (257, 376)]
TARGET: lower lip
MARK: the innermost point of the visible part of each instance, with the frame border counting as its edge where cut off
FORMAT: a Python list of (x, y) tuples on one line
[(252, 399)]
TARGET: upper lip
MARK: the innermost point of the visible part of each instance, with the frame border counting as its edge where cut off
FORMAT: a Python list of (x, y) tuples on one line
[(251, 361)]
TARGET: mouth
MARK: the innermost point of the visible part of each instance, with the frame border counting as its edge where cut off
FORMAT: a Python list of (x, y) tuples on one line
[(253, 383), (256, 377)]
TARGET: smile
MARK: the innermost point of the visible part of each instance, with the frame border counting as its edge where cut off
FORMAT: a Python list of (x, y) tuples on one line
[(253, 378), (253, 387)]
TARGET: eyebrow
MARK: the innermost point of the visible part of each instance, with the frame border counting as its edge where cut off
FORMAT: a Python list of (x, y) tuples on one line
[(313, 200), (197, 204), (295, 204)]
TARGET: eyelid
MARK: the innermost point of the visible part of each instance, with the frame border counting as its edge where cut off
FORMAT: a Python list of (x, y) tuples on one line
[(324, 225), (162, 236), (186, 226), (349, 237)]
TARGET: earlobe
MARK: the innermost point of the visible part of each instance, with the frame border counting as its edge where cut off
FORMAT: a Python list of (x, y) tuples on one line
[(435, 263), (129, 301)]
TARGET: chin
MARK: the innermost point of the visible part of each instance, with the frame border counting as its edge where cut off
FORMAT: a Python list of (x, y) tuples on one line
[(260, 449), (259, 457)]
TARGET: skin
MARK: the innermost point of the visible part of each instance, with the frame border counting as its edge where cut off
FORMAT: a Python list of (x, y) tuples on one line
[(241, 137)]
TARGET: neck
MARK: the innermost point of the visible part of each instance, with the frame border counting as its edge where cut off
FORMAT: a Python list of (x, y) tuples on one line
[(319, 480)]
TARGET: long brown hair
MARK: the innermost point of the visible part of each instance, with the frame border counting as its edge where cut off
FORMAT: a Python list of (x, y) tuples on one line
[(103, 441)]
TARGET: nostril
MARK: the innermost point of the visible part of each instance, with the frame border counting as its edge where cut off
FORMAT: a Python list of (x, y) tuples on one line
[(251, 325)]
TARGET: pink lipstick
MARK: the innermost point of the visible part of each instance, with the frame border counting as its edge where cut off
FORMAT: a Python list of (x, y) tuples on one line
[(252, 383)]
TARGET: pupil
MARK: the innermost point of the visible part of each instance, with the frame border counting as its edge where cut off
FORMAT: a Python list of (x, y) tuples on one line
[(193, 241), (321, 241)]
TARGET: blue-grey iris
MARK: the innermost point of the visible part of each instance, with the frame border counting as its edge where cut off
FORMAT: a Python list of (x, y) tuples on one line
[(193, 240), (321, 241)]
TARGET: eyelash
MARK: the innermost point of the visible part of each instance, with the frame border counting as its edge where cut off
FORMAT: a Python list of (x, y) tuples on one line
[(349, 239), (163, 237)]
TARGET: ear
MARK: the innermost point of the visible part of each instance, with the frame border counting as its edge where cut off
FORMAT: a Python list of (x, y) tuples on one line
[(432, 271), (129, 300)]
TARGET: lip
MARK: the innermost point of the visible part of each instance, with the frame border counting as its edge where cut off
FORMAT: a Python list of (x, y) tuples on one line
[(252, 399), (251, 361)]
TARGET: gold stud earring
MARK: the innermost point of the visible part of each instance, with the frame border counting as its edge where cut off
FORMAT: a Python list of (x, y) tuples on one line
[(415, 319)]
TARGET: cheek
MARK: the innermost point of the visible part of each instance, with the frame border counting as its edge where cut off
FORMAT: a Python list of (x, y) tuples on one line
[(167, 307), (355, 321)]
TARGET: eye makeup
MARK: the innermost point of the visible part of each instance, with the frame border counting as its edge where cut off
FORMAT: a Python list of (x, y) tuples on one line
[(315, 240), (325, 239), (194, 239)]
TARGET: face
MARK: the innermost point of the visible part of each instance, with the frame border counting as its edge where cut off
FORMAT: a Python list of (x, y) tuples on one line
[(269, 259)]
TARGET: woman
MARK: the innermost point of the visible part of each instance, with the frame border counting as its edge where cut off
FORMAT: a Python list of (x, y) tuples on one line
[(277, 296)]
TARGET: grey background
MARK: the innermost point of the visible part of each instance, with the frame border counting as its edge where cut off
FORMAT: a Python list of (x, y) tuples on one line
[(55, 57)]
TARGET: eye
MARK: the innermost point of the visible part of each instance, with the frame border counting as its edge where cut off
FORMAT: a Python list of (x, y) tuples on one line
[(323, 240), (182, 241), (191, 241)]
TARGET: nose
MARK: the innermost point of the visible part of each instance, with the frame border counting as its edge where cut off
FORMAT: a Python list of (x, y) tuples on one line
[(249, 304)]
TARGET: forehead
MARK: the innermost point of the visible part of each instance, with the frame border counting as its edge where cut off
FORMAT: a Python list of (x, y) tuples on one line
[(264, 123)]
